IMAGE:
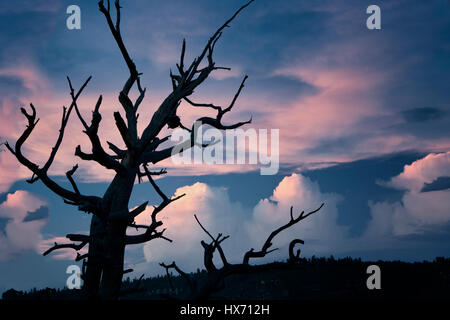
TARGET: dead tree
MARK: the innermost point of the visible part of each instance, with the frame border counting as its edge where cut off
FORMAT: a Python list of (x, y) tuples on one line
[(107, 239), (216, 276)]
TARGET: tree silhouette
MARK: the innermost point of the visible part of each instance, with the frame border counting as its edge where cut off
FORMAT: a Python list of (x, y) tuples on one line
[(216, 276), (103, 265)]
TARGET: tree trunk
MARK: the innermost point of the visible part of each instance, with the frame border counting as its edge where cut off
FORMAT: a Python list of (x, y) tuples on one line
[(94, 261), (113, 261), (115, 199)]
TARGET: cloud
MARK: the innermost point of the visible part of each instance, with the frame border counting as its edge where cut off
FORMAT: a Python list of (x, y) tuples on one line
[(25, 82), (418, 212), (321, 233), (215, 211), (391, 223), (29, 6), (39, 214), (221, 74), (30, 84), (10, 171), (247, 227), (324, 84), (441, 183), (422, 114), (425, 170), (342, 101), (3, 224), (19, 233)]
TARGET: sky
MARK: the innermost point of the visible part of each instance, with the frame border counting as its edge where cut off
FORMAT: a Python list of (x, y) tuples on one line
[(363, 120)]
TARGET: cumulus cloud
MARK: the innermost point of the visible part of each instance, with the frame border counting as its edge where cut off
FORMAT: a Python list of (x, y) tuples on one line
[(215, 211), (320, 231), (417, 211), (422, 171), (247, 227), (19, 233)]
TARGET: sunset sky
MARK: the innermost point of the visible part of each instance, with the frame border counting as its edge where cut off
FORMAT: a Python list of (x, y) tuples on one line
[(363, 116)]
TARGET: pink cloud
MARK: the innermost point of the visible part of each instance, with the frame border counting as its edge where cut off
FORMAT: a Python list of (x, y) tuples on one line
[(345, 98), (424, 170), (247, 227), (342, 101), (214, 209), (321, 232), (417, 211), (20, 236), (235, 72)]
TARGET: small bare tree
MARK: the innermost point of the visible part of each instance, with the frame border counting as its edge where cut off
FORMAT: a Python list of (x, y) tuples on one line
[(216, 276)]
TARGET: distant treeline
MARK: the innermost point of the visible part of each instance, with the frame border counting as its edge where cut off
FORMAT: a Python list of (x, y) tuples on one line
[(310, 279)]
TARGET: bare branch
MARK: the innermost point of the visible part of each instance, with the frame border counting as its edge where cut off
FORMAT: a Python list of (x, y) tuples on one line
[(155, 186), (151, 232), (265, 249), (215, 279), (137, 288), (127, 271), (185, 83), (210, 248), (85, 203), (120, 123), (69, 175), (115, 30), (80, 257), (130, 137), (74, 246), (294, 257), (192, 284), (159, 155), (205, 105), (119, 152), (98, 153), (128, 215), (64, 121), (141, 96), (147, 236)]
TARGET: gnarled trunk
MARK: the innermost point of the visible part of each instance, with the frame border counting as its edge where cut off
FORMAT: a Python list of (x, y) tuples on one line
[(107, 238), (107, 247), (94, 262)]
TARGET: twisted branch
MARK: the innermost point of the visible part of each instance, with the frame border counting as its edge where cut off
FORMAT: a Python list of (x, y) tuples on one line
[(84, 240), (215, 280)]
